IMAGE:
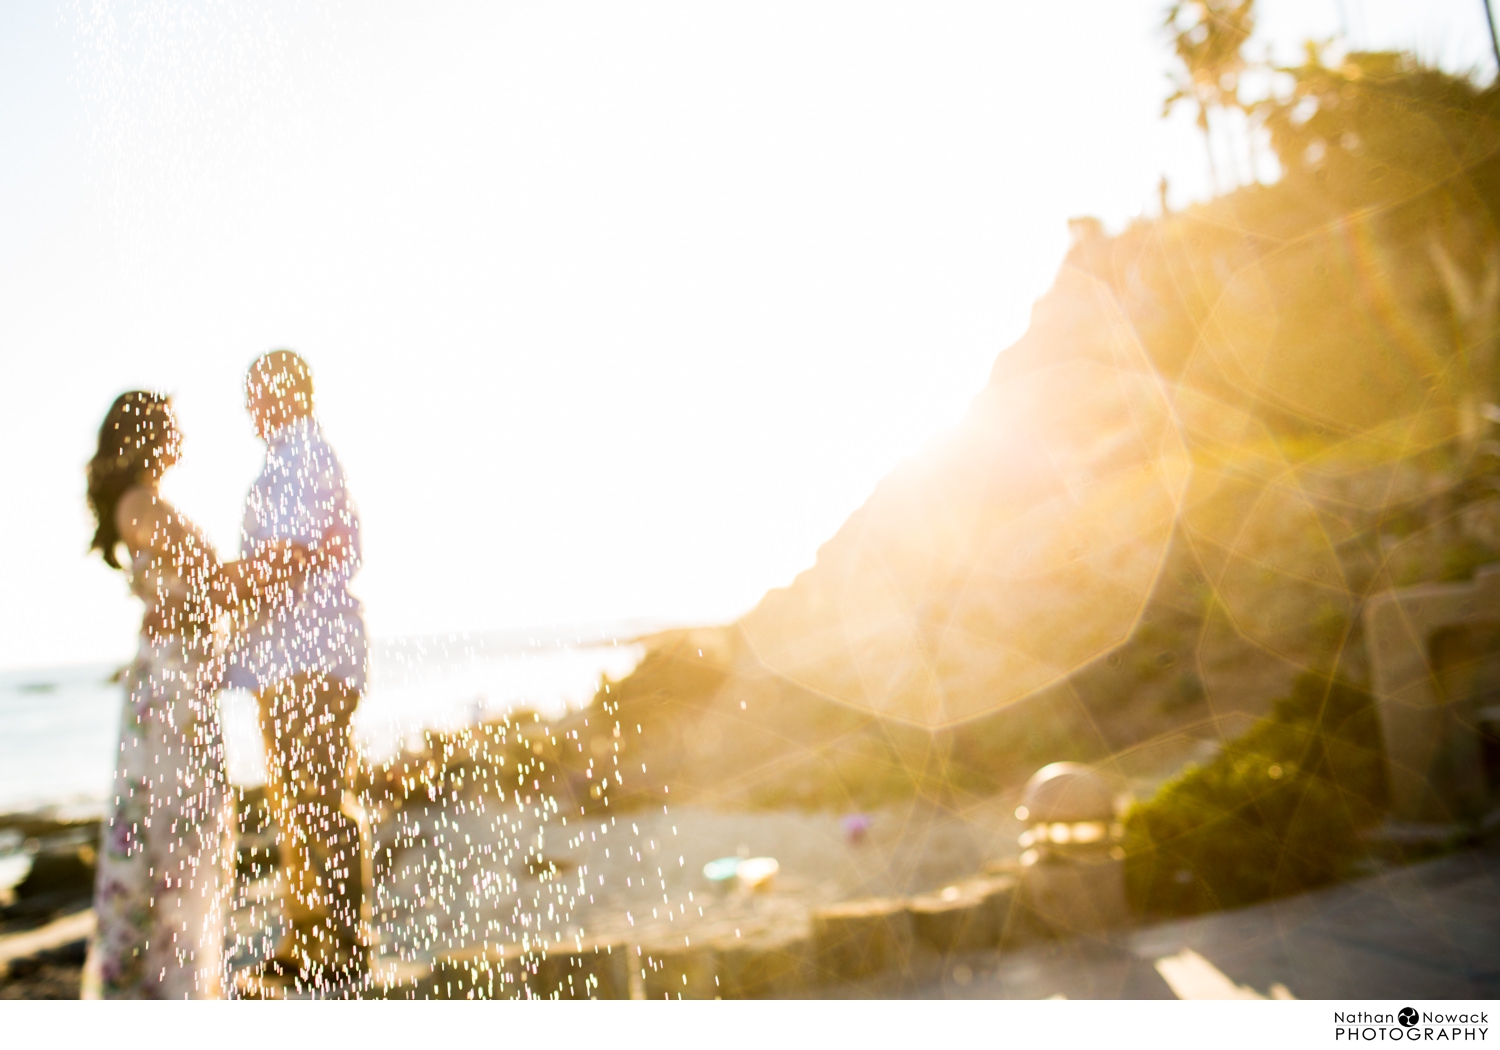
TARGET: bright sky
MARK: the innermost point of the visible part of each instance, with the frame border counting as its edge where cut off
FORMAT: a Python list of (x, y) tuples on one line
[(617, 310)]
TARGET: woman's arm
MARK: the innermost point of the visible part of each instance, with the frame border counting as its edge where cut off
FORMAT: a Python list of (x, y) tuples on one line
[(147, 522)]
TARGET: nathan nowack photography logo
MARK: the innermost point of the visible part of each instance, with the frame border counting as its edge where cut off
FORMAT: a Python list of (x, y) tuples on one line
[(1411, 1025)]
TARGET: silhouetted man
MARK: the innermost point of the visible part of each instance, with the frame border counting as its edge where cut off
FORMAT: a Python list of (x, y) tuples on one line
[(305, 656)]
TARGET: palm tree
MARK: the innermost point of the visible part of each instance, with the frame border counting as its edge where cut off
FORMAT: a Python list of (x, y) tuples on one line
[(1489, 22), (1209, 37)]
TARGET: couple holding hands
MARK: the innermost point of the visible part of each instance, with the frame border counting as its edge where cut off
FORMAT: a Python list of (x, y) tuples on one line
[(279, 621)]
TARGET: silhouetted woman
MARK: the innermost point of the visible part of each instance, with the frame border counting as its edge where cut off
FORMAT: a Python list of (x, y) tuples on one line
[(161, 892)]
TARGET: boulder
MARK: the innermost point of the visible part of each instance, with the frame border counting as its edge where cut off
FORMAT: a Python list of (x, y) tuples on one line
[(63, 870)]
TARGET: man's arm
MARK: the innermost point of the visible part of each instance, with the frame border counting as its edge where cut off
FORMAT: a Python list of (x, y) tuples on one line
[(269, 573), (299, 521), (283, 563), (338, 551)]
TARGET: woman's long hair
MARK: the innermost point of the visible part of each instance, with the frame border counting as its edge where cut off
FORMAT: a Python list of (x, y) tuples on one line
[(138, 436)]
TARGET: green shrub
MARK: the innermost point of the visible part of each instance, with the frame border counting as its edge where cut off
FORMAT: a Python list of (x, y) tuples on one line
[(1462, 557), (1278, 811)]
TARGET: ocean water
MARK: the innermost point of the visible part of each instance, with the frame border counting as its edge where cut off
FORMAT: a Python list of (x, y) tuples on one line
[(58, 735), (59, 727)]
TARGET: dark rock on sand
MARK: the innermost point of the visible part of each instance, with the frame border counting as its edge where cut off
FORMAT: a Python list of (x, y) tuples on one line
[(68, 870), (53, 974)]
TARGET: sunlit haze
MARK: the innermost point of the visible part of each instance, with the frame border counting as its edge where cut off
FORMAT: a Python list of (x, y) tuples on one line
[(616, 311)]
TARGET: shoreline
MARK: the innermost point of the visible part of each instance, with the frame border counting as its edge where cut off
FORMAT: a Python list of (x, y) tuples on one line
[(59, 724)]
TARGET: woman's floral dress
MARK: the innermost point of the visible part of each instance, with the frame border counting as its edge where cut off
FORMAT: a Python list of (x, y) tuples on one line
[(162, 889)]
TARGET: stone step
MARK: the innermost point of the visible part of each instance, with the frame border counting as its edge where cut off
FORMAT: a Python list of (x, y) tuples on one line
[(967, 916), (849, 941), (861, 938), (595, 970), (590, 969), (685, 971), (482, 972), (765, 964)]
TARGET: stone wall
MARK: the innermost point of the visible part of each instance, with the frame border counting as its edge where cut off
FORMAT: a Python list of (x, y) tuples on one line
[(1435, 663)]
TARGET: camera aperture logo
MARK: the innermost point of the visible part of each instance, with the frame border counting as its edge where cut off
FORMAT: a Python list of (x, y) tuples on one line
[(1408, 1025)]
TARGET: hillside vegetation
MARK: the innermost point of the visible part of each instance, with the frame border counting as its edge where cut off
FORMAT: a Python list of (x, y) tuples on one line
[(1222, 431)]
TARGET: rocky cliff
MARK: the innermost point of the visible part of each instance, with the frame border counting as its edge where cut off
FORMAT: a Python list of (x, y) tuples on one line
[(1222, 430)]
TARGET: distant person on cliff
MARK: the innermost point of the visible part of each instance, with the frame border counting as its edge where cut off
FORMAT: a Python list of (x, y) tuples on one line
[(161, 890), (305, 660)]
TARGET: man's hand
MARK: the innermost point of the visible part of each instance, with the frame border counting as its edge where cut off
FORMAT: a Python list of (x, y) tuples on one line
[(269, 575), (335, 552), (276, 569)]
